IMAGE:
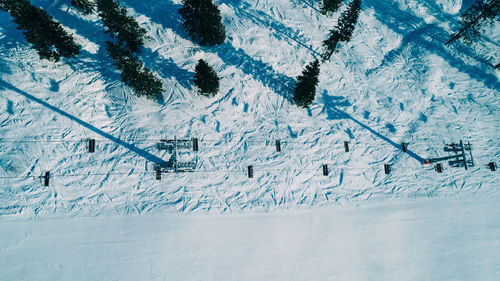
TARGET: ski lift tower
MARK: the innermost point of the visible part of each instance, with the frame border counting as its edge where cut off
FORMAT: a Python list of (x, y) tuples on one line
[(175, 147), (457, 154)]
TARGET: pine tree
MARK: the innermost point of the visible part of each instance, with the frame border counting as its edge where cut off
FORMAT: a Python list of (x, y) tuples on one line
[(475, 19), (121, 26), (134, 73), (344, 29), (47, 36), (205, 78), (84, 6), (203, 22), (305, 86), (330, 6), (330, 44)]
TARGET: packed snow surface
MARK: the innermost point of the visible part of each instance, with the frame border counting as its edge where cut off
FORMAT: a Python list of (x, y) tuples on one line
[(394, 82), (425, 239)]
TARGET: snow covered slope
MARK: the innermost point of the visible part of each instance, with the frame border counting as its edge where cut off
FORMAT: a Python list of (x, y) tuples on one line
[(382, 241), (395, 82)]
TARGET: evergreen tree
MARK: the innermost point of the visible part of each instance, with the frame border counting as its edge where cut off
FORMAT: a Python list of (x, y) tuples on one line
[(47, 36), (134, 73), (203, 22), (475, 19), (84, 6), (330, 6), (330, 44), (121, 26), (305, 86), (206, 79), (344, 29)]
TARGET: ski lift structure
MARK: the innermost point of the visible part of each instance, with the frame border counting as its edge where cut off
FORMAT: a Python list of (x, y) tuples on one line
[(175, 147), (45, 178), (457, 154)]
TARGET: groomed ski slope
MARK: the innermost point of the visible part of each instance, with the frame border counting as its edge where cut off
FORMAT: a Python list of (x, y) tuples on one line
[(426, 239), (394, 82)]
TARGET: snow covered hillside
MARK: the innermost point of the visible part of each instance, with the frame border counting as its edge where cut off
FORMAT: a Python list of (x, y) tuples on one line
[(382, 241), (394, 82)]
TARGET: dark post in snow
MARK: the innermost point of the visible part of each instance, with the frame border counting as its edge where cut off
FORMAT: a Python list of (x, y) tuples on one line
[(492, 166), (158, 173), (278, 146), (250, 171), (325, 170), (439, 168), (195, 144), (46, 177), (346, 146), (91, 145), (387, 169)]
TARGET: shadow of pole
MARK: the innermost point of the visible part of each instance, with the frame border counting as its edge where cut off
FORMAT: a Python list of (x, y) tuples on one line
[(431, 37), (148, 156), (386, 139), (333, 112)]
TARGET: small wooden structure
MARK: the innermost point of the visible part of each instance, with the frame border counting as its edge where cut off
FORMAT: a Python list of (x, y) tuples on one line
[(439, 168), (45, 177), (250, 171), (91, 145), (387, 169)]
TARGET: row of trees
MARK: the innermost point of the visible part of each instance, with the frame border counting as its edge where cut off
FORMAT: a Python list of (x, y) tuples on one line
[(48, 37), (122, 27), (134, 73), (344, 29), (128, 39), (305, 85), (203, 22)]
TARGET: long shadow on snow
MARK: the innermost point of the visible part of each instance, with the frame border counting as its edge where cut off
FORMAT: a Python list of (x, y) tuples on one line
[(427, 36), (166, 68), (267, 21), (311, 5), (331, 104), (148, 156), (453, 19), (165, 13)]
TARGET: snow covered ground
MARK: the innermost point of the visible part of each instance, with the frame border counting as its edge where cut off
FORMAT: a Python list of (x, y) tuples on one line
[(105, 217), (395, 82), (424, 239)]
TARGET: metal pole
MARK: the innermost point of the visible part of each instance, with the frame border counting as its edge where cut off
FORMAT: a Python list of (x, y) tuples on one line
[(175, 154), (463, 153)]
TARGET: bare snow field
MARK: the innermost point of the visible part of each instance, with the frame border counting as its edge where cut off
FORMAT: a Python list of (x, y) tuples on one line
[(423, 239)]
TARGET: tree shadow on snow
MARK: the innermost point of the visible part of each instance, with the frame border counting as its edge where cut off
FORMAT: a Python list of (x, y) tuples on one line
[(264, 20), (165, 13), (279, 83), (428, 37), (101, 62), (331, 106), (148, 156)]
